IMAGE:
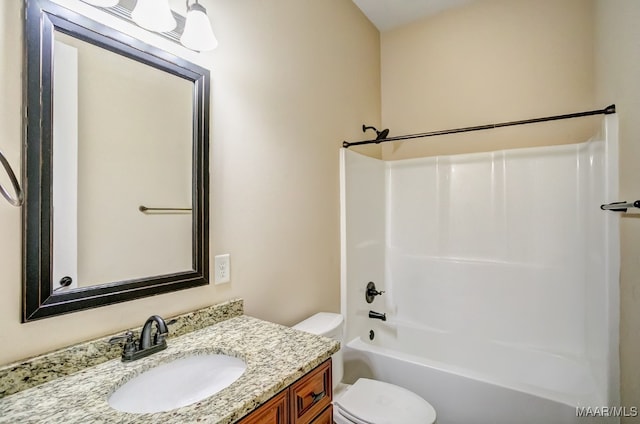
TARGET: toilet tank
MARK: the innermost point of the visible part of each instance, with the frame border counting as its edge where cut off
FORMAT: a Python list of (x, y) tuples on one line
[(329, 325)]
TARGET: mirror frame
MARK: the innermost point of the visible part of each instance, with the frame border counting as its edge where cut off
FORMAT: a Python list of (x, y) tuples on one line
[(42, 18)]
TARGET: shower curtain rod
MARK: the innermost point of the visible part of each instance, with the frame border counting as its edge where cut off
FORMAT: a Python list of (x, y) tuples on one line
[(606, 111)]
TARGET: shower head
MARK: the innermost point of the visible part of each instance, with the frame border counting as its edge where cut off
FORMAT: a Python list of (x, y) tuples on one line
[(380, 135)]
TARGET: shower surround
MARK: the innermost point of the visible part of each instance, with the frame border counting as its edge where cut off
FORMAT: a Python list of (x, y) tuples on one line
[(501, 278)]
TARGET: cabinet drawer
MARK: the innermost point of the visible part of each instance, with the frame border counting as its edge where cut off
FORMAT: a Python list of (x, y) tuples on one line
[(275, 411), (311, 394)]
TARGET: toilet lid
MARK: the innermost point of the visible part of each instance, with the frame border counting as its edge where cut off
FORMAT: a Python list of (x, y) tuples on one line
[(375, 402)]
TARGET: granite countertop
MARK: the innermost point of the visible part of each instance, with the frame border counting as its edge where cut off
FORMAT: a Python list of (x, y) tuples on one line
[(275, 355)]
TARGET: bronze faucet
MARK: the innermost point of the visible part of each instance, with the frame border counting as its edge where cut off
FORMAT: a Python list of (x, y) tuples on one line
[(133, 350)]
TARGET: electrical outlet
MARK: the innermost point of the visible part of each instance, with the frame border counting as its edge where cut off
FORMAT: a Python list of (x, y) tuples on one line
[(222, 269)]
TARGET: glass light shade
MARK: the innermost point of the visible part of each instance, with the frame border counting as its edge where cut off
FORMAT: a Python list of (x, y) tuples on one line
[(154, 15), (197, 34), (102, 3)]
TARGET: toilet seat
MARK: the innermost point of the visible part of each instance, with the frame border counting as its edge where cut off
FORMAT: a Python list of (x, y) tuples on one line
[(376, 402)]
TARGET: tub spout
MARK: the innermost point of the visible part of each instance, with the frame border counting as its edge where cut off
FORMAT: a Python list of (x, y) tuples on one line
[(378, 315)]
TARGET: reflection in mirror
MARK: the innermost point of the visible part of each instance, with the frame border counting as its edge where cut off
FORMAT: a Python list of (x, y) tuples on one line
[(121, 138), (112, 126)]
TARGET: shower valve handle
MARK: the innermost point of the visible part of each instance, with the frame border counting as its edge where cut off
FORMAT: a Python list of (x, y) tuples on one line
[(371, 292), (374, 292)]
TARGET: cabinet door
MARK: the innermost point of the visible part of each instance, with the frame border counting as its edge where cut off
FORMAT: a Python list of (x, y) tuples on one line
[(326, 417), (311, 394), (275, 411)]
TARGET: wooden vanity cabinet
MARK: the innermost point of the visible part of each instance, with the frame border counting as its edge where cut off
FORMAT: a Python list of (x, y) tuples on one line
[(275, 411), (307, 401), (324, 418)]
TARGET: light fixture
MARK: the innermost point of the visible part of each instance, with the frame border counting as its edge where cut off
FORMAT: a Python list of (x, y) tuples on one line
[(193, 31), (197, 34), (154, 15), (103, 3)]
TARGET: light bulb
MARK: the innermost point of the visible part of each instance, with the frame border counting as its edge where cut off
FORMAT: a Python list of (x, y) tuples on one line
[(154, 15), (197, 34), (102, 3)]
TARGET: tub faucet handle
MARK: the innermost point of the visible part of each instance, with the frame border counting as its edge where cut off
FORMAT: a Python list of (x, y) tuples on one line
[(371, 292)]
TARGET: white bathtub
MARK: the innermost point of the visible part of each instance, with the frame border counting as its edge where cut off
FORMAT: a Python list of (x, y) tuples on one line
[(502, 306), (473, 382)]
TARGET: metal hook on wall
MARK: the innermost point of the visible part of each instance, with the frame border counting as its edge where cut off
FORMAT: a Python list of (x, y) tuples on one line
[(19, 198)]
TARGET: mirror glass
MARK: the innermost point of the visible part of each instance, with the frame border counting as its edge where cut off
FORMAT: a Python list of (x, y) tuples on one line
[(121, 139), (116, 162)]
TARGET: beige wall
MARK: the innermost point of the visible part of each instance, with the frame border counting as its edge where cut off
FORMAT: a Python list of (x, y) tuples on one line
[(290, 81), (488, 62), (617, 47)]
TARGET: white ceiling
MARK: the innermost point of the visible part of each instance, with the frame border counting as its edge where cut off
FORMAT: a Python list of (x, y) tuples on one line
[(389, 14)]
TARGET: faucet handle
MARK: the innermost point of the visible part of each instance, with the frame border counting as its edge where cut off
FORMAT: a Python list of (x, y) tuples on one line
[(129, 342), (371, 292), (159, 337), (128, 337)]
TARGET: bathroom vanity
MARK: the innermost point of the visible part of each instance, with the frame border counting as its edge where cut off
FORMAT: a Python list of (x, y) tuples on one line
[(287, 378), (308, 400)]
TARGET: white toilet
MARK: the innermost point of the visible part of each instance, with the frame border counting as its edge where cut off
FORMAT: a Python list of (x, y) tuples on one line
[(366, 401)]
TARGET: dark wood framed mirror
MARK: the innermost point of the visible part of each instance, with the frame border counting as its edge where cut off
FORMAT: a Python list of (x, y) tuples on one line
[(115, 166)]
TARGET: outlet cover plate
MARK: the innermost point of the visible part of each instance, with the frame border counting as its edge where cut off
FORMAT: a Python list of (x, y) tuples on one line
[(222, 269)]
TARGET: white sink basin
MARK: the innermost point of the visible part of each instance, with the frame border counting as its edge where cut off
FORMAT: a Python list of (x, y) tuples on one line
[(178, 383)]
